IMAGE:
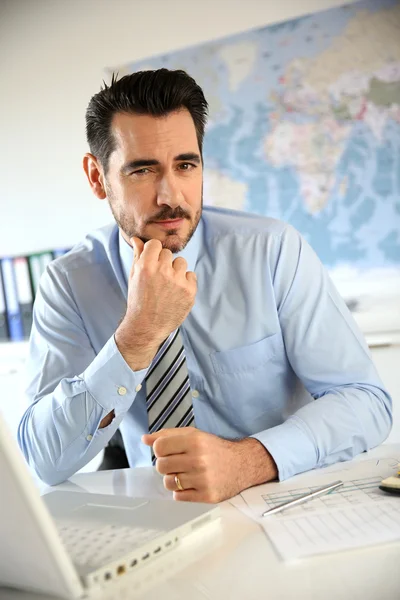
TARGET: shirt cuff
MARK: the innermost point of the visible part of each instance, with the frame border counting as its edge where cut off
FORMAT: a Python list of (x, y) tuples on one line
[(292, 449), (110, 380)]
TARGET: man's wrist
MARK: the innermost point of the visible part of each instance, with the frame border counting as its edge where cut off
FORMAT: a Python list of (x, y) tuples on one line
[(136, 352), (256, 464)]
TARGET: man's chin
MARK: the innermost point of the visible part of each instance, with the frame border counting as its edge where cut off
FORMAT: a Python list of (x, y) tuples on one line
[(174, 239), (173, 242)]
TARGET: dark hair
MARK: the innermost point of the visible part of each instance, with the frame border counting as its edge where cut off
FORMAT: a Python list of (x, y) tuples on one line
[(154, 93)]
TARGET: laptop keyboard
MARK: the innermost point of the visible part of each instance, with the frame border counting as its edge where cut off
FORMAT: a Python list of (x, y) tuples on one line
[(96, 546)]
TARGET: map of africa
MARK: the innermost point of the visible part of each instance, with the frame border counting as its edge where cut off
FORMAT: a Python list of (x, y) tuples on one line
[(305, 126)]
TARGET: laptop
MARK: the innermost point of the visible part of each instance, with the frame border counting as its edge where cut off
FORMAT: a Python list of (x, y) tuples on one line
[(70, 544)]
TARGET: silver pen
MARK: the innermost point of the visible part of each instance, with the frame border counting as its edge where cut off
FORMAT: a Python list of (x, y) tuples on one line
[(305, 498)]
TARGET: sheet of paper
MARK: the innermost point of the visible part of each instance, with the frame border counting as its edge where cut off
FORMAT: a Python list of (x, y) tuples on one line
[(356, 514)]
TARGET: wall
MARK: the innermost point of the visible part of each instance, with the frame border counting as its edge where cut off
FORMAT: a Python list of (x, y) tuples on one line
[(51, 62)]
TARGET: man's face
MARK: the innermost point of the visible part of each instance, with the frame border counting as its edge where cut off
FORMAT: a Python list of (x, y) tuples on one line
[(154, 178)]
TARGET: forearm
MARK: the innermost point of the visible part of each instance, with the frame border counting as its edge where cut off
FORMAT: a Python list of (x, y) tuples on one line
[(59, 433), (335, 427)]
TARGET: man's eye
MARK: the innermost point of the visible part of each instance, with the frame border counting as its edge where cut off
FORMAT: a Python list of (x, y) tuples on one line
[(186, 166), (141, 171)]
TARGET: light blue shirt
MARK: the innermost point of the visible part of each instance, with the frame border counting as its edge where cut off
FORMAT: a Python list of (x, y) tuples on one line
[(272, 352)]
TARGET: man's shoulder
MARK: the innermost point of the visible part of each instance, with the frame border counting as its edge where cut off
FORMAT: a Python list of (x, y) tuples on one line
[(96, 248), (223, 221)]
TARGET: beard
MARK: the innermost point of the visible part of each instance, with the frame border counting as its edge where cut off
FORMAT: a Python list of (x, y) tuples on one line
[(172, 240)]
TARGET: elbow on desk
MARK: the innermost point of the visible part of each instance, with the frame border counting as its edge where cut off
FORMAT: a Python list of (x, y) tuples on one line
[(45, 470), (51, 476), (389, 425), (383, 417), (37, 457)]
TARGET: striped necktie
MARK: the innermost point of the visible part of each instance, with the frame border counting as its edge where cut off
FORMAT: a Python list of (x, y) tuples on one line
[(168, 395)]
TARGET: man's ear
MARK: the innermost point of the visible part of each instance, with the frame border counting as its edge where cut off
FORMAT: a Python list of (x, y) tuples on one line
[(94, 173)]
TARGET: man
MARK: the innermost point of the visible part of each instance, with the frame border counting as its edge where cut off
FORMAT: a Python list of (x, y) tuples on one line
[(213, 339)]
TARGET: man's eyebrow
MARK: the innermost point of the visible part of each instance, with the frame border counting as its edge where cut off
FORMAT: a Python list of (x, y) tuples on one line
[(140, 163), (188, 156)]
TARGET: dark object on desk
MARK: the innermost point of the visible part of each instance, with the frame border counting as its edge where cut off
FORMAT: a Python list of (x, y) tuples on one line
[(391, 485), (390, 490), (114, 454)]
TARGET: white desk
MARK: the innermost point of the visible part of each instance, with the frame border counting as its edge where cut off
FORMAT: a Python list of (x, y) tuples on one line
[(235, 560)]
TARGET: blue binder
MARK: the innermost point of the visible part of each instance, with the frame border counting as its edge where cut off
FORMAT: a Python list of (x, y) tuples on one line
[(24, 292), (14, 317), (3, 317)]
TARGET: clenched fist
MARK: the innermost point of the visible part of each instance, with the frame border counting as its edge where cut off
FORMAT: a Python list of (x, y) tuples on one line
[(209, 468), (161, 293)]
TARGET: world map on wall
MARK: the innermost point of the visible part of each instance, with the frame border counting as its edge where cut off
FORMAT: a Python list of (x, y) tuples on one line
[(305, 126)]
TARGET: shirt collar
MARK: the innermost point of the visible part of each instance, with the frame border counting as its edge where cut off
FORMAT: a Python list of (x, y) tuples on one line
[(190, 253)]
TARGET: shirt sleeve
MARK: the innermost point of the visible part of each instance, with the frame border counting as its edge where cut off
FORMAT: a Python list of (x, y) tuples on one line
[(351, 411), (70, 388)]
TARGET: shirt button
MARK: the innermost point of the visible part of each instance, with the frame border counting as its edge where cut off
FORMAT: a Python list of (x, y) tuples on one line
[(89, 437), (122, 390), (195, 394), (138, 387)]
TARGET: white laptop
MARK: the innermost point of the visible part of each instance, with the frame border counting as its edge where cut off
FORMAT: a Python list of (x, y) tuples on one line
[(71, 543)]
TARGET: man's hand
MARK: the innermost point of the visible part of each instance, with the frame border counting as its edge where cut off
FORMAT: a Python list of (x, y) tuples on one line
[(210, 469), (161, 293)]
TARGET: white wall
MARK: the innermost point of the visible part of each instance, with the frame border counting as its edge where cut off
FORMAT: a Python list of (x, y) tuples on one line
[(52, 56)]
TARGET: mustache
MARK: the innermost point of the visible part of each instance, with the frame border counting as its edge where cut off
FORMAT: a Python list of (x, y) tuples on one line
[(168, 213)]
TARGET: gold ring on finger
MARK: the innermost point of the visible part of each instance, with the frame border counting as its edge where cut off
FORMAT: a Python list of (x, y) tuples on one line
[(178, 484)]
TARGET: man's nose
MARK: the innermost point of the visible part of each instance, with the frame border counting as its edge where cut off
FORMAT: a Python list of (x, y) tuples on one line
[(169, 192)]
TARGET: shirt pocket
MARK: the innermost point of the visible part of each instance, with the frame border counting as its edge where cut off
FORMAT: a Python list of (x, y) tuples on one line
[(250, 382)]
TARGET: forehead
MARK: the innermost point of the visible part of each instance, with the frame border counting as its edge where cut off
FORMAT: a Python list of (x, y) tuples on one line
[(146, 136)]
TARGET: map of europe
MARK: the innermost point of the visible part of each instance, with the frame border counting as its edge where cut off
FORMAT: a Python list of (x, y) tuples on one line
[(305, 127)]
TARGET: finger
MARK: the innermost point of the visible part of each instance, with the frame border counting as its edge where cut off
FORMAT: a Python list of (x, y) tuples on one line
[(151, 250), (166, 256), (150, 438), (170, 445), (180, 265), (176, 463), (192, 279), (186, 496), (192, 491), (192, 495), (170, 483), (137, 246)]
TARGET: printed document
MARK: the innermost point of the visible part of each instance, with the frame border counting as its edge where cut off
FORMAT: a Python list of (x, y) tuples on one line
[(358, 514)]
